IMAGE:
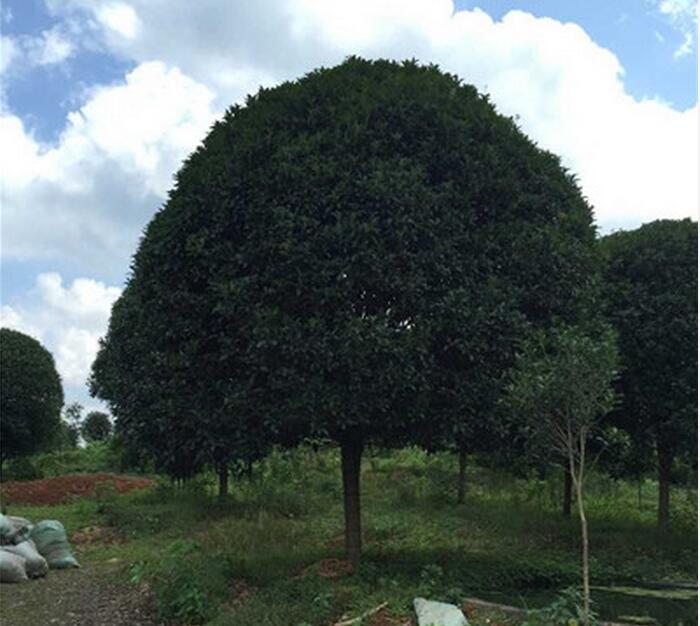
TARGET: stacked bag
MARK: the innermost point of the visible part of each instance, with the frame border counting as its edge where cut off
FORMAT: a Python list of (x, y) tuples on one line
[(28, 551)]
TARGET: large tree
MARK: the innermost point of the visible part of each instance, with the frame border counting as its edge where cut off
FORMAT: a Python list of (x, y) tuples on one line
[(31, 395), (311, 269), (651, 293)]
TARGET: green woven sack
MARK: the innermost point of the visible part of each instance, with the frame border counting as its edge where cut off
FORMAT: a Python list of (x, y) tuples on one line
[(52, 543)]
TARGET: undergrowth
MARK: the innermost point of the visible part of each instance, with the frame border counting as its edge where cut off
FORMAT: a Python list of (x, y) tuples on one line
[(248, 560)]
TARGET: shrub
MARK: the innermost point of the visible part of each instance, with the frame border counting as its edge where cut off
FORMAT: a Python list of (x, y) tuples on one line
[(566, 610), (188, 583), (22, 468)]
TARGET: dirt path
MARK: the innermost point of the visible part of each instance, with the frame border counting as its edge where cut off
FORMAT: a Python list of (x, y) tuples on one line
[(77, 597)]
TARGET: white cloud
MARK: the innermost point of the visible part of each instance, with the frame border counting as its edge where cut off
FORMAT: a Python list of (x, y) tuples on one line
[(681, 15), (120, 18), (50, 48), (685, 48), (680, 11), (86, 299), (10, 318), (8, 52), (23, 52), (67, 320), (89, 195)]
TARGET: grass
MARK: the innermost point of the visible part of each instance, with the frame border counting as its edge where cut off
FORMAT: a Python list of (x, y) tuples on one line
[(247, 561)]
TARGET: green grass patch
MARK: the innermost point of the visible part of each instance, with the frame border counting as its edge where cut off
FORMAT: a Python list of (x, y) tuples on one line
[(249, 559)]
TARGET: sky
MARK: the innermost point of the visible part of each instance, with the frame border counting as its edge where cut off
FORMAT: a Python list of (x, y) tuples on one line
[(101, 100)]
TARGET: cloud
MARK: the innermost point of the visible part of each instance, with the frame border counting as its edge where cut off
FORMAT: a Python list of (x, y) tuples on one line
[(120, 18), (51, 47), (681, 12), (8, 52), (89, 195), (685, 48), (682, 15), (67, 320)]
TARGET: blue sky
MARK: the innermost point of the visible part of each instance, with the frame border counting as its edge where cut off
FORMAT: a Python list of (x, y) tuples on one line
[(642, 37), (102, 99)]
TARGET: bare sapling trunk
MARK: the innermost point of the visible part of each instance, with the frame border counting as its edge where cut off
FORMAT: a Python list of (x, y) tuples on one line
[(665, 462), (223, 481), (639, 494), (462, 479), (576, 468), (566, 503), (351, 460)]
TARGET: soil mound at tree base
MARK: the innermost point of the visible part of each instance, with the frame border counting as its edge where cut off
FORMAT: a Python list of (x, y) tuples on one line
[(62, 488)]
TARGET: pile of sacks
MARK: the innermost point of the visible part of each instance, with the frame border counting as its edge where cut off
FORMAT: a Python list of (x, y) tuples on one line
[(28, 550)]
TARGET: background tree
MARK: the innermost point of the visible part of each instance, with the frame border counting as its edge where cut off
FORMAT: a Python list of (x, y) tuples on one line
[(31, 395), (177, 408), (73, 420), (562, 387), (96, 427), (303, 277), (651, 292)]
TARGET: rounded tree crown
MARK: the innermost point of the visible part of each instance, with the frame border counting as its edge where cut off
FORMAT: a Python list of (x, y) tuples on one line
[(316, 245), (31, 395)]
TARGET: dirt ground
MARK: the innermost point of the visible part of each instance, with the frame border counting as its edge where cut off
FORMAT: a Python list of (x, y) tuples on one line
[(57, 490), (76, 597)]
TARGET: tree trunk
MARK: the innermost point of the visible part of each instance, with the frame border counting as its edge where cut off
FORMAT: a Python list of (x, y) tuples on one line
[(577, 470), (584, 555), (462, 480), (223, 482), (351, 459), (665, 461), (639, 494), (566, 504)]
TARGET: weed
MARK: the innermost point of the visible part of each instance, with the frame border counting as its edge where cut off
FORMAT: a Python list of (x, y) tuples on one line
[(505, 539), (188, 582), (566, 610)]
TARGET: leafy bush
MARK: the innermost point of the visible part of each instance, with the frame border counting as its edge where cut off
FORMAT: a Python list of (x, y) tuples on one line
[(96, 457), (188, 582), (292, 483), (566, 610), (22, 468)]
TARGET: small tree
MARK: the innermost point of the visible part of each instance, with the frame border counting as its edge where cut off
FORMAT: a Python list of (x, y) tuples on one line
[(561, 387), (96, 427), (73, 420), (31, 395)]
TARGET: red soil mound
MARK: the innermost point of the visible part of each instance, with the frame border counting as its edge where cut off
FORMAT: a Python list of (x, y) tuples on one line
[(59, 489)]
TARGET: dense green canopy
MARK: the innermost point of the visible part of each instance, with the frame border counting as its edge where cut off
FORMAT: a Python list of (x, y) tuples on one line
[(336, 259), (96, 427), (652, 296), (31, 395)]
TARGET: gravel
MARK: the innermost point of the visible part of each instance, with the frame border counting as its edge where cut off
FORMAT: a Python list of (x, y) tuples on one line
[(77, 597)]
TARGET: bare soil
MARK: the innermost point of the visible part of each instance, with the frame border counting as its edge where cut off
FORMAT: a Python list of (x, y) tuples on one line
[(57, 490)]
